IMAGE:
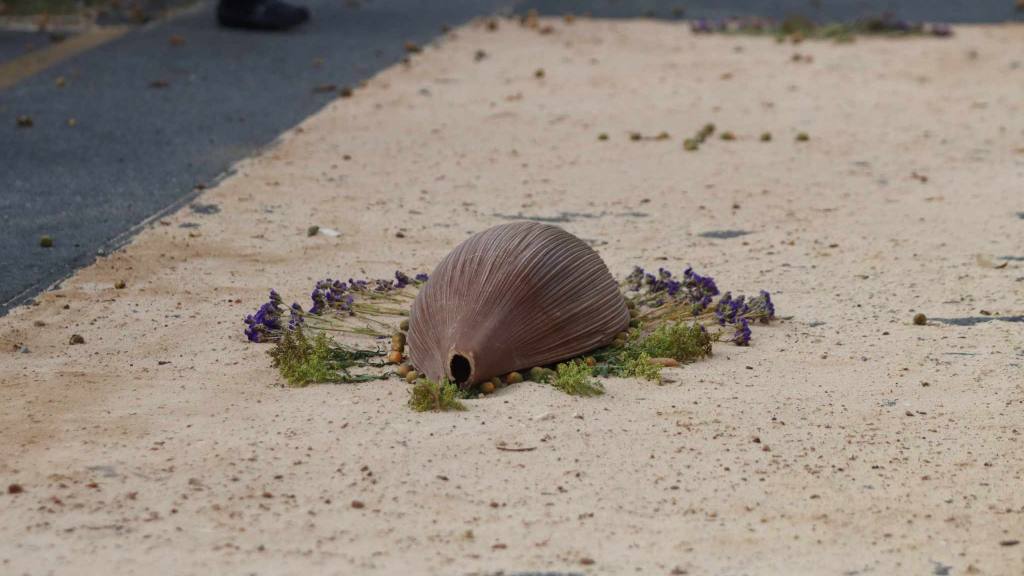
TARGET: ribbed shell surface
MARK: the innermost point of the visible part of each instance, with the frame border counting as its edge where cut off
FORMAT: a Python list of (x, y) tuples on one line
[(512, 297)]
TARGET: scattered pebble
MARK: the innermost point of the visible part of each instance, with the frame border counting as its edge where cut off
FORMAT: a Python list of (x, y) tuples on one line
[(358, 505), (802, 137), (312, 230), (76, 339), (46, 241), (920, 319), (15, 489), (120, 285), (24, 121)]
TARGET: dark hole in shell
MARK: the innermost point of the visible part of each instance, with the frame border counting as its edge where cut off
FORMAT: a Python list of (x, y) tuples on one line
[(460, 368)]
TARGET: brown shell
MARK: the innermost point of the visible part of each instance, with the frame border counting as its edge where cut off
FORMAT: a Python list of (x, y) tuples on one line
[(512, 297)]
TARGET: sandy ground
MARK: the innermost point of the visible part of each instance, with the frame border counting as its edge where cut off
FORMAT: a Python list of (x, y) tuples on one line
[(165, 443)]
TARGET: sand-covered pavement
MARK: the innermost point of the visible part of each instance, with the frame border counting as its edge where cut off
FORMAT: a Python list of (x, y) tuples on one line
[(165, 442)]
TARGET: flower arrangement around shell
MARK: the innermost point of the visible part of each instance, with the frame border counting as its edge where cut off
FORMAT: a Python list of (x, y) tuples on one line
[(514, 302)]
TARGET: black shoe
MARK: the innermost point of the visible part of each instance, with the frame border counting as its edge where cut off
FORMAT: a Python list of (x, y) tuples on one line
[(261, 15)]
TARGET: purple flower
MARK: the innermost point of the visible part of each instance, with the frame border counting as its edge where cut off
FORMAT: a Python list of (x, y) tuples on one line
[(295, 316), (699, 287), (742, 335), (266, 323), (701, 27), (401, 279), (761, 307), (722, 309)]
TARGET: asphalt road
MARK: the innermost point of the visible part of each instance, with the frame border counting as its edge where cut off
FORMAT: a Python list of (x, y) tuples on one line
[(153, 121), (136, 151)]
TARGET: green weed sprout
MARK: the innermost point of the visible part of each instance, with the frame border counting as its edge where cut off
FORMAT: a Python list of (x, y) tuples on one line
[(640, 366), (685, 343), (576, 378), (430, 396), (303, 361)]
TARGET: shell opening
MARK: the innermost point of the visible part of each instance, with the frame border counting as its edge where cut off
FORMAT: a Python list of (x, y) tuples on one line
[(460, 368)]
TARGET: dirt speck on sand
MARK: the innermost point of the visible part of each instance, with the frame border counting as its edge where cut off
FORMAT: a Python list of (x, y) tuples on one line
[(654, 477)]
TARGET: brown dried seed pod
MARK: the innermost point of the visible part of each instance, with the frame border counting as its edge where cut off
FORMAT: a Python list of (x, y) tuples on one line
[(511, 297), (398, 341), (514, 378), (395, 357), (412, 376)]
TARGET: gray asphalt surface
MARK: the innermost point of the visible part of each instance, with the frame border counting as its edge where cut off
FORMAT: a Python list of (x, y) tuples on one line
[(821, 10), (14, 44), (138, 151)]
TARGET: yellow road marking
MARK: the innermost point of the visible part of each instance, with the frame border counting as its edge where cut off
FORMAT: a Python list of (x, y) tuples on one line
[(36, 61)]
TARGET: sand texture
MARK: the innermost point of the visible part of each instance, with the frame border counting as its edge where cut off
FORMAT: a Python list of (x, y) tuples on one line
[(845, 440)]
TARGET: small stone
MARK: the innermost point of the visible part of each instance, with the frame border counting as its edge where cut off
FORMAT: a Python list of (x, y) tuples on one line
[(690, 145), (24, 122), (1008, 543), (76, 339), (46, 241), (412, 47), (602, 136), (345, 92), (120, 285), (544, 417), (399, 234), (39, 323), (728, 136), (538, 73), (23, 349), (586, 561), (358, 505), (15, 489), (920, 319), (766, 137), (802, 137), (312, 230)]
